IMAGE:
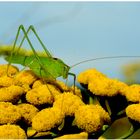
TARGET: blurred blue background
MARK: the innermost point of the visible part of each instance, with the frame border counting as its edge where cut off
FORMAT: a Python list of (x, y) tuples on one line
[(76, 31)]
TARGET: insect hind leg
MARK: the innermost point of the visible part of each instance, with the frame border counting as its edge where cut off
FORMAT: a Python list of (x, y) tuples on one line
[(35, 53), (31, 28), (14, 45), (74, 79), (43, 46)]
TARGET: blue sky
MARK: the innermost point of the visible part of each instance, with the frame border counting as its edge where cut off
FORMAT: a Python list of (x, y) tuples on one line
[(75, 31)]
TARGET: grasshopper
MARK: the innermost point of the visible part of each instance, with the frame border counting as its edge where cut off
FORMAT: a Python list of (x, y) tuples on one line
[(47, 67)]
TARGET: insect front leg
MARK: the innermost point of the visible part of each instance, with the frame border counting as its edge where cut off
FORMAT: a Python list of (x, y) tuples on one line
[(74, 79), (43, 46)]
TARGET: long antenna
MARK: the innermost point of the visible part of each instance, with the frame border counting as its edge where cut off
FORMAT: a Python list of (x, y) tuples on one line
[(105, 57)]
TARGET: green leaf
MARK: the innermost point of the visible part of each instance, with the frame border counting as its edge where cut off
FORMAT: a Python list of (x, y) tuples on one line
[(94, 100), (120, 128), (42, 134)]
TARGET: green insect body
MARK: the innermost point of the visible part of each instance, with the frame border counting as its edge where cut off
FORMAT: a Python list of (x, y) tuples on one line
[(52, 67)]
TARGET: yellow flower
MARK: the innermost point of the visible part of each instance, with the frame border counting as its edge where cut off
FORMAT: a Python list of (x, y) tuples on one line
[(25, 77), (6, 81), (121, 87), (132, 93), (63, 86), (12, 132), (133, 112), (9, 113), (40, 95), (27, 112), (101, 85), (12, 70), (104, 87), (38, 83), (47, 119), (57, 87), (66, 88), (88, 75), (11, 94), (68, 103), (91, 118), (54, 90)]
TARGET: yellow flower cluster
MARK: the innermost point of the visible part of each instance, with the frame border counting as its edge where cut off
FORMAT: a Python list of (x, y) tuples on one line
[(9, 113), (27, 112), (89, 75), (7, 74), (133, 112), (25, 77), (6, 81), (14, 83), (11, 94), (63, 105), (24, 97), (44, 93), (99, 84), (132, 93), (68, 103), (47, 119), (37, 83), (12, 132), (12, 70), (39, 96), (51, 87), (63, 86), (91, 117)]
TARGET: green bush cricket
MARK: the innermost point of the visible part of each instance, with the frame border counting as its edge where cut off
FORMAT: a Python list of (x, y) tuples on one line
[(46, 67)]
